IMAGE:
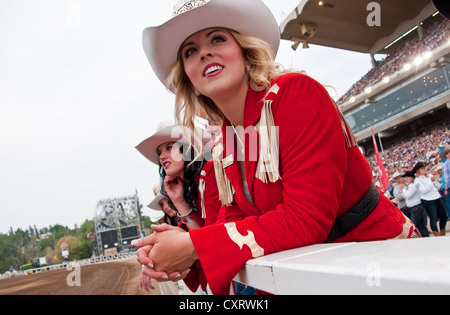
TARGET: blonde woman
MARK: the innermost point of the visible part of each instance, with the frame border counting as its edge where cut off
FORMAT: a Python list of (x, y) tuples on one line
[(282, 136)]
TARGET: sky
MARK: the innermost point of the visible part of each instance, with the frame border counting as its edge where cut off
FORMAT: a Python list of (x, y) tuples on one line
[(77, 94)]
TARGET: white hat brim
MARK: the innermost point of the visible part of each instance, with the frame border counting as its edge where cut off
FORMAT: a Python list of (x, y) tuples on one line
[(397, 174), (148, 147), (154, 204), (444, 152), (171, 133), (248, 17)]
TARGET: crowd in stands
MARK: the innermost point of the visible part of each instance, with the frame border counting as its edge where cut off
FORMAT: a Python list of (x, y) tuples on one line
[(433, 37), (402, 155), (417, 183)]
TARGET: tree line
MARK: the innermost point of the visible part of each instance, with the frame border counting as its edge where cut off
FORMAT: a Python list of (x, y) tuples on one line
[(19, 247)]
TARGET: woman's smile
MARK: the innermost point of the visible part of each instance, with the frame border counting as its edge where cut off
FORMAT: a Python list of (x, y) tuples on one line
[(212, 69), (166, 165)]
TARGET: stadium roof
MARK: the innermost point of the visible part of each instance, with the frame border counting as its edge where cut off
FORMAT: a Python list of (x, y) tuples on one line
[(343, 23)]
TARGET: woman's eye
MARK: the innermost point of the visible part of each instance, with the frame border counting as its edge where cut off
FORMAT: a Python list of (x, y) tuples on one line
[(218, 39), (169, 147), (188, 52)]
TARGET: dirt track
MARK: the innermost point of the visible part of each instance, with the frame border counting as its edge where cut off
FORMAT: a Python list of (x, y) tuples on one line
[(110, 278)]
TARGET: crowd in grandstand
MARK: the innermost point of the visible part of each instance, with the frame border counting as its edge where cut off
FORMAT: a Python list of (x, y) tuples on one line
[(403, 159), (402, 155), (433, 37)]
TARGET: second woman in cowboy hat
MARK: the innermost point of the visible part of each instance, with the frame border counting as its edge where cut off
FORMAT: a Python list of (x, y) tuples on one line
[(188, 184), (282, 135)]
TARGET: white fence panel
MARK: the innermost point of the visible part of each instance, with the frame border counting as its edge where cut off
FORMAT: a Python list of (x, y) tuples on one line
[(413, 266)]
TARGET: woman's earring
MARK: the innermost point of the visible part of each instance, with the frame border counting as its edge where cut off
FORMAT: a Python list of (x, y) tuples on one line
[(248, 68), (196, 93)]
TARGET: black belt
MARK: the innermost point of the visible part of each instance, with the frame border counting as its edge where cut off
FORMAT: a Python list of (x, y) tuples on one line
[(358, 213)]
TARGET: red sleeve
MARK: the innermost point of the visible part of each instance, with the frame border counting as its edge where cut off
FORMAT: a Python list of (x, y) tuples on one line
[(312, 166), (233, 213)]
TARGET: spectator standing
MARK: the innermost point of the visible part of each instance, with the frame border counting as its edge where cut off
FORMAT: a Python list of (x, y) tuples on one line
[(438, 181), (445, 154), (398, 194), (412, 200), (431, 199)]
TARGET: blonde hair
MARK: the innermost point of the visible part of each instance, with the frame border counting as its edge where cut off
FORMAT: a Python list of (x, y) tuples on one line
[(263, 70)]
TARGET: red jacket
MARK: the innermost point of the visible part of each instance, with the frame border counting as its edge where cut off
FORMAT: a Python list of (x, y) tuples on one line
[(321, 178)]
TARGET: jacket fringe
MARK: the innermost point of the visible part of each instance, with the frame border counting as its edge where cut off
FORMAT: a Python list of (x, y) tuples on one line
[(267, 168), (224, 186)]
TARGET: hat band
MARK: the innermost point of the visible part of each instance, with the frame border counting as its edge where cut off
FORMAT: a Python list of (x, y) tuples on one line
[(188, 6)]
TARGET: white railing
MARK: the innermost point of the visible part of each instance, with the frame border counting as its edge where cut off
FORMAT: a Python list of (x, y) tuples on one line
[(413, 266)]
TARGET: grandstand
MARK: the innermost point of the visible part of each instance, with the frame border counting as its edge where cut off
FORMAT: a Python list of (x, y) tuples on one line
[(408, 89), (117, 222)]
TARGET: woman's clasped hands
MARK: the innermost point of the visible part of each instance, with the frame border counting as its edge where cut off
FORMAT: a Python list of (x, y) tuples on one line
[(165, 255)]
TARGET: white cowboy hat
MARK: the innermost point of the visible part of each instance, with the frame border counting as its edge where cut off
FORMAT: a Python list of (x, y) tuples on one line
[(437, 167), (397, 174), (444, 152), (248, 17), (154, 204), (169, 133), (165, 133)]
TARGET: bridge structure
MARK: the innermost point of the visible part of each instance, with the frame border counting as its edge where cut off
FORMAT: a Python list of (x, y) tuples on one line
[(117, 222)]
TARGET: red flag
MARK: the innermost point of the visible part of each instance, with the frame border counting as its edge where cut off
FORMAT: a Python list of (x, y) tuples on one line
[(384, 178)]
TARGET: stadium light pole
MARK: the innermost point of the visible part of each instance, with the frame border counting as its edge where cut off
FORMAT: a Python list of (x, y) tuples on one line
[(381, 144)]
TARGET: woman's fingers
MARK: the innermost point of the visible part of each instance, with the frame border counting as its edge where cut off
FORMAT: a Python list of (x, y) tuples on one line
[(164, 277), (145, 283), (143, 256), (157, 275), (148, 240), (145, 280), (165, 227), (146, 244), (153, 238), (176, 276)]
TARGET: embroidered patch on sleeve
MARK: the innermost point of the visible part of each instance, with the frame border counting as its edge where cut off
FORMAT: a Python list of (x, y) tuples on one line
[(241, 240)]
